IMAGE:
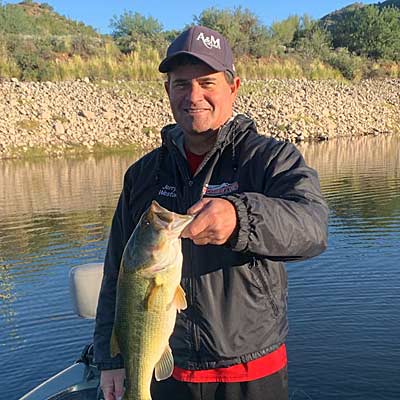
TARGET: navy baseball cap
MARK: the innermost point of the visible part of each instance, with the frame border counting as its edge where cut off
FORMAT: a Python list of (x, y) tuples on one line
[(203, 43)]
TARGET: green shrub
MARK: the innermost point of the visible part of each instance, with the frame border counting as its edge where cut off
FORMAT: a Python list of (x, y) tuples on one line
[(369, 31), (349, 65), (243, 29), (312, 41), (133, 30)]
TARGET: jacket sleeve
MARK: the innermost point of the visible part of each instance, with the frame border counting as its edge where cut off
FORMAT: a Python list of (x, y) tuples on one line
[(119, 235), (287, 220)]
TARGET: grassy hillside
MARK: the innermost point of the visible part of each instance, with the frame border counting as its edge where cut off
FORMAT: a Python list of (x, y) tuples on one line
[(371, 31), (337, 15), (37, 43), (389, 3), (34, 39), (30, 18)]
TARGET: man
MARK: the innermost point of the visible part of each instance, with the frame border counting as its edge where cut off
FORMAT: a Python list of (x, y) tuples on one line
[(257, 205)]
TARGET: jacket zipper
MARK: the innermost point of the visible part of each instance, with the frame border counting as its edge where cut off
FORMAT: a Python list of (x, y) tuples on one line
[(191, 199), (216, 155), (192, 284), (189, 202)]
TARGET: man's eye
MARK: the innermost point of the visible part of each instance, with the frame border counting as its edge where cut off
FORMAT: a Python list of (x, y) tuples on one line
[(180, 85), (207, 84)]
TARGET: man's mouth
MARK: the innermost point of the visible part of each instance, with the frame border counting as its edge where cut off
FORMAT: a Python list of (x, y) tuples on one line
[(195, 110)]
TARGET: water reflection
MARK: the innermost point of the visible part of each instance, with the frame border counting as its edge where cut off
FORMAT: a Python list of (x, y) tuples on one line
[(56, 202), (360, 177), (48, 186)]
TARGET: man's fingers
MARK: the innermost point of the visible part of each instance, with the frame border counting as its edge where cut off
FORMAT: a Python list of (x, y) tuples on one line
[(209, 236), (200, 223), (214, 222), (112, 383), (197, 207), (108, 392), (193, 229), (119, 389), (112, 394)]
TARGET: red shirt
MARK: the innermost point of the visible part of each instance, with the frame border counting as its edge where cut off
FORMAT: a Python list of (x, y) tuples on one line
[(194, 160), (248, 371)]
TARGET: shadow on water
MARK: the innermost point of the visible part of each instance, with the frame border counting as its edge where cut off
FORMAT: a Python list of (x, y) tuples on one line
[(56, 213)]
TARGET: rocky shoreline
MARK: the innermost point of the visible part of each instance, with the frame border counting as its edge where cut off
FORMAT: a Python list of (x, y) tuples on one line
[(80, 116)]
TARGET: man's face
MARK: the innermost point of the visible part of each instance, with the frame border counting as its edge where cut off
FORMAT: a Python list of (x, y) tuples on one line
[(201, 99)]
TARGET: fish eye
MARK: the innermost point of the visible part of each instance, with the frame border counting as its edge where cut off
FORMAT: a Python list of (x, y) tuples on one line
[(146, 222)]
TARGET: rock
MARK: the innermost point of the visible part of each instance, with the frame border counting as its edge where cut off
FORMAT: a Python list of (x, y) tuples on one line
[(109, 115), (13, 103), (87, 114), (46, 115), (292, 110), (59, 128)]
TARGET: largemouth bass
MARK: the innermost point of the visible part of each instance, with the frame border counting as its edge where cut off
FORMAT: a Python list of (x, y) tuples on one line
[(147, 300)]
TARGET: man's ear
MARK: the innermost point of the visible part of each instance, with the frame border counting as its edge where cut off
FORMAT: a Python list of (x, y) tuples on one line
[(166, 86), (235, 86), (236, 82)]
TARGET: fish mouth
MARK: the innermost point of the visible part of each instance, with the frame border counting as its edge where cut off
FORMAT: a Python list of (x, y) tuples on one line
[(171, 223)]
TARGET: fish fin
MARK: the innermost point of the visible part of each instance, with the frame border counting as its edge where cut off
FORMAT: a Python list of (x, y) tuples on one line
[(114, 346), (180, 299), (165, 365)]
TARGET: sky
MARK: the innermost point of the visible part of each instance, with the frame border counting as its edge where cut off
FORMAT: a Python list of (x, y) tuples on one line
[(173, 14)]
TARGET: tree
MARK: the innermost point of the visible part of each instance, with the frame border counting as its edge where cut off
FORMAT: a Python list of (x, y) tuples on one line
[(283, 31), (311, 40), (370, 31), (242, 28), (133, 30)]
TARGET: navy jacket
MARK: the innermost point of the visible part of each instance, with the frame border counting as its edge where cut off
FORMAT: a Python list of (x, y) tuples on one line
[(237, 293)]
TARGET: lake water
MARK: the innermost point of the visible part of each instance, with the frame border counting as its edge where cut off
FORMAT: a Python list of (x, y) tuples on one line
[(344, 306)]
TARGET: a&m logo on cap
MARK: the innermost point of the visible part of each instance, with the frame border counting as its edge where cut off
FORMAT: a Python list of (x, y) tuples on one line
[(209, 41)]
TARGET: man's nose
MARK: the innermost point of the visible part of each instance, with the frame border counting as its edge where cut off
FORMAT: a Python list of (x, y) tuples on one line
[(195, 92)]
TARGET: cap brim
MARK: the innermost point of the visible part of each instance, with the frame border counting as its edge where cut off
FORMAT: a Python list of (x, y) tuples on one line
[(166, 64)]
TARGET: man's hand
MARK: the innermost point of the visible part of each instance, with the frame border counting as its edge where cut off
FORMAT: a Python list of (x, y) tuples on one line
[(214, 223), (112, 383)]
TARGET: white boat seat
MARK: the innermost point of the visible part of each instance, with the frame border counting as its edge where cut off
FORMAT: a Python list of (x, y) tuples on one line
[(85, 282)]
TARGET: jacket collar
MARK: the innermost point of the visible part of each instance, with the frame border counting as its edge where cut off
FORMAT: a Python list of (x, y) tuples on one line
[(231, 132)]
